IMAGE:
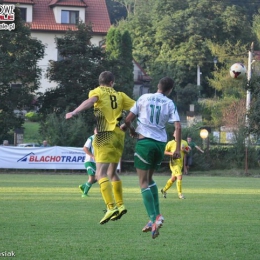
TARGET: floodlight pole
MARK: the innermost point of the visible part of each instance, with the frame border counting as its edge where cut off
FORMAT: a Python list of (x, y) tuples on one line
[(198, 78), (248, 100)]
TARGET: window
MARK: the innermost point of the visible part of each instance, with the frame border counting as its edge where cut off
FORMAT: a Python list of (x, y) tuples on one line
[(71, 17), (23, 13)]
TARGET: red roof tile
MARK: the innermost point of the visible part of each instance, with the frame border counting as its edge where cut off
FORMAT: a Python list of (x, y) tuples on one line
[(67, 3), (44, 20), (20, 1)]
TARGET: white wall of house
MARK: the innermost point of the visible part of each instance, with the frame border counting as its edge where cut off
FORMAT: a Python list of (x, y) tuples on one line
[(137, 72), (48, 39)]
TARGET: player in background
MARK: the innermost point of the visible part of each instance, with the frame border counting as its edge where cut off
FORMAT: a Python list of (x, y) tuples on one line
[(153, 112), (176, 166), (108, 142), (90, 165), (189, 157)]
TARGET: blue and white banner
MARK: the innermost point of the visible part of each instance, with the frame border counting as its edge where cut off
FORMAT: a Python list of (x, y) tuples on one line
[(55, 157)]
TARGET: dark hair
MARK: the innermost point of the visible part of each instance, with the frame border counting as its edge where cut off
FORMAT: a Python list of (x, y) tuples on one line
[(166, 84), (105, 78)]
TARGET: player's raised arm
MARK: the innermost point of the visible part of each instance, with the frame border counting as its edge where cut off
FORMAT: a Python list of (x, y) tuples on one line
[(83, 106)]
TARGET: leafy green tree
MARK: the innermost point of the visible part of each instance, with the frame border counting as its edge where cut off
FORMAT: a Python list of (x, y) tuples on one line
[(20, 74), (171, 37), (116, 11), (76, 72), (128, 4), (186, 96), (254, 113), (120, 58)]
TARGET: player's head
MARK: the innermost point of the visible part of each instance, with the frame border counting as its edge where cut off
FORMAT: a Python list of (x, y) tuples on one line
[(166, 85), (188, 139), (106, 78)]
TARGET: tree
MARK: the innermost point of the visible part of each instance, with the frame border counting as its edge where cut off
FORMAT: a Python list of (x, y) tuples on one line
[(120, 58), (254, 113), (20, 74), (76, 72), (186, 96), (128, 4), (116, 11), (171, 37)]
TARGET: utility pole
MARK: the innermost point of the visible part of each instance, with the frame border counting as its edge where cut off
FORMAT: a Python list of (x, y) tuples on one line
[(248, 100), (198, 77)]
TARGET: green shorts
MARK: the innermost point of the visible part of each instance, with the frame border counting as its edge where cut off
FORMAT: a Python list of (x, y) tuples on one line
[(90, 168), (149, 154)]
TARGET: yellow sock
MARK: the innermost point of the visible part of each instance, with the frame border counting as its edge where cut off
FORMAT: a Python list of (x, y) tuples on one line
[(107, 193), (179, 186), (168, 185), (118, 192)]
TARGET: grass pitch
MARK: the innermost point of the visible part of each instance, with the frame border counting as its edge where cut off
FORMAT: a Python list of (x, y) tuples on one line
[(44, 217)]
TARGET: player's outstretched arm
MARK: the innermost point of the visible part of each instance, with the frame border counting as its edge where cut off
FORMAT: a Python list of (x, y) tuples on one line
[(83, 106), (197, 147)]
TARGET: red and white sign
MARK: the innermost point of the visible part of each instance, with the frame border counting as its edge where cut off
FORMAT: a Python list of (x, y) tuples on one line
[(7, 13)]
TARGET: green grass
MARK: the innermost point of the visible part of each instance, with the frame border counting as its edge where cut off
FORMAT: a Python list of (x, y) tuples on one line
[(31, 133), (44, 217)]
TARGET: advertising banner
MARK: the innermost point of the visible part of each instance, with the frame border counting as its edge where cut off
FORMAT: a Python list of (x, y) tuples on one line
[(55, 157)]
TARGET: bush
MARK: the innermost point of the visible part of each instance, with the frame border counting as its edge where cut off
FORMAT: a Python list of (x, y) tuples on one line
[(225, 157), (59, 131), (32, 116)]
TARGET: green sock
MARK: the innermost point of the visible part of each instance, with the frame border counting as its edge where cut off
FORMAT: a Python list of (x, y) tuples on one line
[(87, 187), (149, 203), (154, 189)]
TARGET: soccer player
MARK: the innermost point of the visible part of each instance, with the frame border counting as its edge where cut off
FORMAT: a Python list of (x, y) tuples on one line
[(153, 112), (176, 166), (90, 165), (108, 142)]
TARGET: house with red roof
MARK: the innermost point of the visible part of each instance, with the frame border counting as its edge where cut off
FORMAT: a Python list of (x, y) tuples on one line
[(51, 18)]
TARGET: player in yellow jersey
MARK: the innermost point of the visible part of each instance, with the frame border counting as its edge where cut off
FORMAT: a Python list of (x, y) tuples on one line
[(109, 141), (176, 166)]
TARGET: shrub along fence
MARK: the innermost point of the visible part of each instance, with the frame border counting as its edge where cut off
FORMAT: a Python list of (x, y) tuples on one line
[(226, 157)]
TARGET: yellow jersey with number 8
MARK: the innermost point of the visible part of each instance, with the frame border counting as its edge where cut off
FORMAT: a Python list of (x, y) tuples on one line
[(108, 109)]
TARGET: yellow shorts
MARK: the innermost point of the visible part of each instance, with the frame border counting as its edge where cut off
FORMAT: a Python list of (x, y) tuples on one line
[(176, 170), (109, 146)]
